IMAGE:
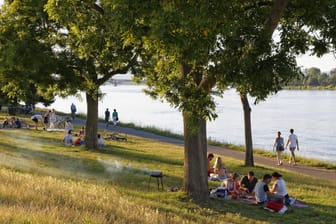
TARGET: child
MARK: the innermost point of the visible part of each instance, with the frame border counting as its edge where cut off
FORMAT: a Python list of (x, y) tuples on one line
[(100, 141)]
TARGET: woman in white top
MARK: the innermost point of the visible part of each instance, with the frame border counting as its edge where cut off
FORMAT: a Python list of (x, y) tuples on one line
[(219, 170), (279, 186), (100, 141), (232, 185), (68, 126)]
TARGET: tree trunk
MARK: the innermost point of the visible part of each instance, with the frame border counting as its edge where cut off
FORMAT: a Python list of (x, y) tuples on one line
[(195, 157), (91, 128), (248, 131)]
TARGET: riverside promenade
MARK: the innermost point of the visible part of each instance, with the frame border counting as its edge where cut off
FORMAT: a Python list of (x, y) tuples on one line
[(227, 153)]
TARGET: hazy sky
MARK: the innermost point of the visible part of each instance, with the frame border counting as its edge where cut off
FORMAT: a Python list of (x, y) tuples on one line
[(325, 63)]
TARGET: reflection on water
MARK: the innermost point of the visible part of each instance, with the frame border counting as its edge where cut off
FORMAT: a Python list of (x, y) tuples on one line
[(312, 114)]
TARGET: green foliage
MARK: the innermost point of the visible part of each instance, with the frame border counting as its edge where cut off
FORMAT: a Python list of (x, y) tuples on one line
[(26, 60), (314, 78)]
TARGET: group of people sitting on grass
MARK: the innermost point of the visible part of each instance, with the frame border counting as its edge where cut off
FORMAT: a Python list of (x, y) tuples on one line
[(68, 139), (13, 122), (248, 186)]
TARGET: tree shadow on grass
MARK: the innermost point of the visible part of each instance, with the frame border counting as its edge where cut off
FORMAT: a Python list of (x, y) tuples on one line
[(126, 153)]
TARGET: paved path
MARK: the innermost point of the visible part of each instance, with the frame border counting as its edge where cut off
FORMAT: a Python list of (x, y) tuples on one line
[(258, 160)]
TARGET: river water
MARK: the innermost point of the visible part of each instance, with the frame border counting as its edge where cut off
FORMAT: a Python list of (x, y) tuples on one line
[(311, 113)]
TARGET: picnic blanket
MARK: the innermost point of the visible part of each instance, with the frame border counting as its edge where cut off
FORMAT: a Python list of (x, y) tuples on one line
[(294, 202), (298, 203), (248, 200), (55, 129)]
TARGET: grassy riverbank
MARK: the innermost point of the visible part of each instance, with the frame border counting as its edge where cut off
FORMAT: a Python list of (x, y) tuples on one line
[(44, 182), (301, 160)]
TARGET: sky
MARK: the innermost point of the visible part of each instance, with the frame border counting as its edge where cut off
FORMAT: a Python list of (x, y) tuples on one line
[(325, 63)]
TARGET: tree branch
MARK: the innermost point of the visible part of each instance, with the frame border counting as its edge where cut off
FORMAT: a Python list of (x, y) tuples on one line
[(272, 21), (122, 70)]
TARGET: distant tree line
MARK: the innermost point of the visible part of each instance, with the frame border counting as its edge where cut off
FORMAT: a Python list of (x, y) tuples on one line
[(314, 78)]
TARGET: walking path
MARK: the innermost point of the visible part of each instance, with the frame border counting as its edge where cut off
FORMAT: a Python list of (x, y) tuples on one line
[(258, 160)]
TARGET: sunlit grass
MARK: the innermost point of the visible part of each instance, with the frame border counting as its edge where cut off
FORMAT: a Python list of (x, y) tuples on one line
[(44, 182)]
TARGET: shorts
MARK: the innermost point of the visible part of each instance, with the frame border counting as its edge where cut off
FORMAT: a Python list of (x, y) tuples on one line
[(292, 148), (35, 119), (280, 148)]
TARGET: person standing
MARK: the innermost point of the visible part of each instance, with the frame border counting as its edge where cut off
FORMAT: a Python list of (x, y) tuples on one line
[(107, 116), (46, 119), (279, 147), (115, 117), (293, 144), (73, 111), (52, 118)]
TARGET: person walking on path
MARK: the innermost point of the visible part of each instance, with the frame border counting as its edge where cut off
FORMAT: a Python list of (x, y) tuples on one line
[(107, 117), (46, 119), (73, 111), (115, 117), (279, 147), (52, 118), (293, 144)]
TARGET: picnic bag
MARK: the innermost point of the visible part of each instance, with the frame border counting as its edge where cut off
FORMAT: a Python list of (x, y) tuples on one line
[(275, 205)]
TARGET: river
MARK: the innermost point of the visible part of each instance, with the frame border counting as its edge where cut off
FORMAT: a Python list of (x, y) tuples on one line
[(311, 113)]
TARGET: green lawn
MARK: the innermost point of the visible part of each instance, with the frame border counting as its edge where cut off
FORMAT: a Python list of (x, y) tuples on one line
[(41, 181)]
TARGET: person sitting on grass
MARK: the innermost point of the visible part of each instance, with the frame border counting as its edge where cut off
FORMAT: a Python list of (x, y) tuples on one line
[(17, 123), (79, 141), (210, 169), (36, 118), (68, 125), (100, 141), (279, 187), (219, 169), (68, 141), (5, 123), (82, 132), (247, 183), (262, 192), (232, 185)]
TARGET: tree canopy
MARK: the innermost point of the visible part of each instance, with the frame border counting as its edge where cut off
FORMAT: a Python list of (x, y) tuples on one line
[(187, 51), (26, 62)]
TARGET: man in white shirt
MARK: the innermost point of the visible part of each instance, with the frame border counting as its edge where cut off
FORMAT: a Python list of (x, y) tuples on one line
[(293, 144)]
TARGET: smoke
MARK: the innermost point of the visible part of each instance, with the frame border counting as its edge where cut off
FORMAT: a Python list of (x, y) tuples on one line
[(114, 167)]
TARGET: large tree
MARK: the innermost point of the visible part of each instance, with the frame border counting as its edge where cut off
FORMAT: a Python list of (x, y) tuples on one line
[(68, 46), (26, 63), (176, 39), (190, 47), (92, 44), (253, 63)]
